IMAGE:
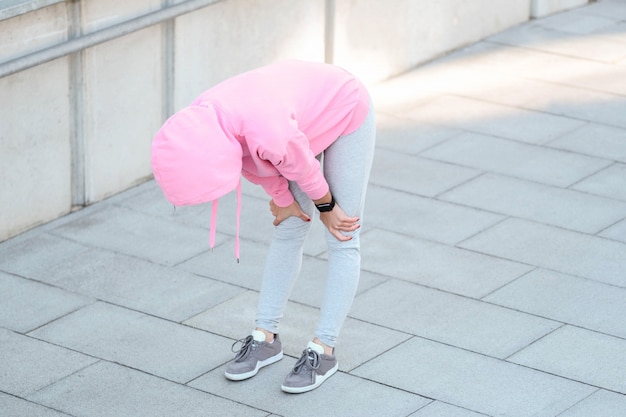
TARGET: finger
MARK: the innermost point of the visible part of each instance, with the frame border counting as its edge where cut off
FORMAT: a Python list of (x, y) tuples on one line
[(349, 219), (339, 236), (348, 225), (350, 228)]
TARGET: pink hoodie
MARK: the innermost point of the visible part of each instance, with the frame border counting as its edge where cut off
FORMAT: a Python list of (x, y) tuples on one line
[(267, 124)]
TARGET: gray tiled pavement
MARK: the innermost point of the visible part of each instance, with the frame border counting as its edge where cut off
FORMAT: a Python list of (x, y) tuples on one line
[(494, 261)]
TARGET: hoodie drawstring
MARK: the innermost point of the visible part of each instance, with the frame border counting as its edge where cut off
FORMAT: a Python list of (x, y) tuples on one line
[(237, 224)]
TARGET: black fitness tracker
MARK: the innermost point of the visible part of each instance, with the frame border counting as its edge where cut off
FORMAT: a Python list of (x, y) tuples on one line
[(326, 206)]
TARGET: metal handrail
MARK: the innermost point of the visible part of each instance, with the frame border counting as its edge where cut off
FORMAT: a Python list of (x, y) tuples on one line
[(85, 41)]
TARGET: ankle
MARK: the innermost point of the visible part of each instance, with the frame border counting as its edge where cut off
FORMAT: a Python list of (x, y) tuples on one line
[(328, 350), (269, 336)]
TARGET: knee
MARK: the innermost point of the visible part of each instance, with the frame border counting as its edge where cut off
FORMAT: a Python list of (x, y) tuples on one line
[(334, 245), (292, 229)]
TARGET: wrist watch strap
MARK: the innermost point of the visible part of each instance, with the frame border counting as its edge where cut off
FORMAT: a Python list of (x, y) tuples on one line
[(326, 206)]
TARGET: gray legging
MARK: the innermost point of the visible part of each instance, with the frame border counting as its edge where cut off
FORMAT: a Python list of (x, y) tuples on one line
[(346, 165)]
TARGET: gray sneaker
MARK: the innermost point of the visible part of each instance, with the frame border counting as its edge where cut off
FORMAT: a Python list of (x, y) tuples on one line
[(254, 354), (311, 370)]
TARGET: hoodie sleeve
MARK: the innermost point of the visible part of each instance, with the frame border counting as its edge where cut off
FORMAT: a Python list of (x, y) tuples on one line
[(288, 151), (275, 186)]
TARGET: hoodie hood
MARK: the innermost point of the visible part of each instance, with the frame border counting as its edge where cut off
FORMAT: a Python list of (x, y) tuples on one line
[(195, 160)]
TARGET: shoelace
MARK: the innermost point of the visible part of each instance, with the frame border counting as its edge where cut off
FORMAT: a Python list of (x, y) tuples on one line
[(309, 359), (247, 345)]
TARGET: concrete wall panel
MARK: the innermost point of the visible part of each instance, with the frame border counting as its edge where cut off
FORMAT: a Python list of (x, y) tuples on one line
[(122, 111), (35, 154), (99, 14), (234, 36), (377, 40), (33, 31)]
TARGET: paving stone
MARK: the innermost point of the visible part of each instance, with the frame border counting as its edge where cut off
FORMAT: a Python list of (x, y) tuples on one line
[(416, 175), (533, 125), (545, 204), (601, 404), (132, 282), (473, 381), (148, 198), (576, 107), (32, 255), (534, 163), (26, 304), (424, 218), (557, 249), (616, 30), (542, 66), (554, 41), (124, 230), (310, 287), (220, 265), (143, 342), (512, 91), (439, 409), (29, 365), (515, 90), (615, 9), (435, 265), (360, 342), (248, 273), (408, 136), (107, 389), (450, 319), (17, 407), (534, 111), (596, 140), (582, 355), (610, 182), (256, 218), (579, 21), (581, 89), (617, 232), (394, 95), (585, 105), (568, 299), (493, 119), (341, 395), (235, 319)]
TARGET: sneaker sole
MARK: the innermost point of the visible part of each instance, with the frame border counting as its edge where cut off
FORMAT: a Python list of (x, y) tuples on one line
[(319, 380), (259, 365)]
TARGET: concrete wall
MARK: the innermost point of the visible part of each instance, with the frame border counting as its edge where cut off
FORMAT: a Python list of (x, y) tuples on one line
[(379, 39), (35, 150), (77, 128)]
